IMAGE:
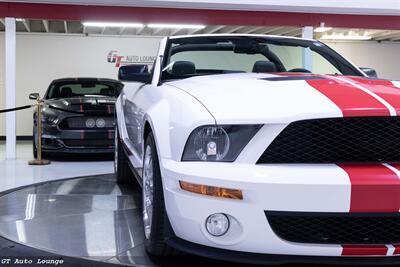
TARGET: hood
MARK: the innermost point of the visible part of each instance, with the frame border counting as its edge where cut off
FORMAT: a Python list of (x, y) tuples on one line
[(286, 97), (90, 105)]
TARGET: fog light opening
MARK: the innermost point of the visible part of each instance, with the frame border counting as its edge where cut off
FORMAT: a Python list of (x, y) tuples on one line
[(217, 224)]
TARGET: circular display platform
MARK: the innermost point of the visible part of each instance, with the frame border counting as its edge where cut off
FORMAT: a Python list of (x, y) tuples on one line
[(85, 219)]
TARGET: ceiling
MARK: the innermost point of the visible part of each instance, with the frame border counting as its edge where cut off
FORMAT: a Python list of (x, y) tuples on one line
[(362, 7), (76, 27)]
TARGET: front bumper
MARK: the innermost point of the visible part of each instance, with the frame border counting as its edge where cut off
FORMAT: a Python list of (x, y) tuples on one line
[(295, 188), (271, 259), (56, 140)]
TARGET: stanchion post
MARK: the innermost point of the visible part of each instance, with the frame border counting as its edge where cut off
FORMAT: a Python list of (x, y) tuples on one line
[(38, 160)]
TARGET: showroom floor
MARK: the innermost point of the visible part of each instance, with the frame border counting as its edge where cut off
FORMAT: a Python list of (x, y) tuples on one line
[(16, 173)]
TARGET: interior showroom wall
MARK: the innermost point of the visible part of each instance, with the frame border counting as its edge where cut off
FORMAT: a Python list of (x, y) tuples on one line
[(44, 57)]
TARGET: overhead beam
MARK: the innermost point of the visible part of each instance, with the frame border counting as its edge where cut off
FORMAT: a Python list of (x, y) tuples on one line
[(254, 29), (232, 29), (212, 29), (290, 31), (386, 36), (46, 25), (26, 25), (65, 26), (139, 31)]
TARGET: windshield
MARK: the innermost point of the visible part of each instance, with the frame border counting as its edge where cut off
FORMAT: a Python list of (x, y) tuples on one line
[(68, 89), (207, 55)]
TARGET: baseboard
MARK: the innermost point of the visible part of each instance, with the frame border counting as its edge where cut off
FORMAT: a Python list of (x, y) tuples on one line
[(19, 138)]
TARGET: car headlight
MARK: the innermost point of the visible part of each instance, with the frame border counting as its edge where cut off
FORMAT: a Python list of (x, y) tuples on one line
[(49, 117), (218, 143)]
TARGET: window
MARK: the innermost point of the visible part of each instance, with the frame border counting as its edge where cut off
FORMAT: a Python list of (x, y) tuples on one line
[(80, 89), (207, 55)]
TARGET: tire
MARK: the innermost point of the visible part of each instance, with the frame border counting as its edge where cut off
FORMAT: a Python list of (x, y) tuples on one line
[(123, 172), (154, 230)]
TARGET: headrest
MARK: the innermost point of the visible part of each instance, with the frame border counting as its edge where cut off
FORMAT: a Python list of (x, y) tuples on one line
[(66, 92), (264, 66), (181, 68)]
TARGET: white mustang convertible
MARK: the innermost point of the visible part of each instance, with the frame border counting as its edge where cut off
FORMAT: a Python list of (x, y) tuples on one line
[(262, 149)]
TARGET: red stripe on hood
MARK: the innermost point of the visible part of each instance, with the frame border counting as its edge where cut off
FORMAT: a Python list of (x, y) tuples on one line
[(383, 88), (351, 100), (374, 188), (357, 250)]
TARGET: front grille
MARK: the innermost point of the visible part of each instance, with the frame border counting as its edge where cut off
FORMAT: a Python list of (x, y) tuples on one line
[(87, 122), (336, 228), (89, 143), (337, 140)]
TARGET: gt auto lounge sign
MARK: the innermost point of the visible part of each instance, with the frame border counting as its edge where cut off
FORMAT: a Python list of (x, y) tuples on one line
[(119, 60)]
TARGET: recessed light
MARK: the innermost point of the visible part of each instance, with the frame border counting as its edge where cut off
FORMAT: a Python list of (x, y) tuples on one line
[(112, 24), (176, 26)]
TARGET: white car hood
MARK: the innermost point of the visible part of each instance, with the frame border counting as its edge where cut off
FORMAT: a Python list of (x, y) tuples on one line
[(266, 98)]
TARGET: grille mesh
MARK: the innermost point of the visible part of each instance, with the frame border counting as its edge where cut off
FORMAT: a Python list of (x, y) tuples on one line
[(89, 143), (79, 123), (337, 140), (336, 228)]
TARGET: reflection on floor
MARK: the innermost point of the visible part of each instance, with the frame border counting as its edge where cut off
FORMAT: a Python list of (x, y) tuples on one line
[(16, 173), (92, 218)]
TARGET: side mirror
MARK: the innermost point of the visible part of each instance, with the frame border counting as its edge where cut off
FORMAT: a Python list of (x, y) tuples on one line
[(134, 73), (34, 96), (370, 72)]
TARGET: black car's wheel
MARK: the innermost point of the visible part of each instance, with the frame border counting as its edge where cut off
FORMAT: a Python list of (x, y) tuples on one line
[(121, 166), (154, 215)]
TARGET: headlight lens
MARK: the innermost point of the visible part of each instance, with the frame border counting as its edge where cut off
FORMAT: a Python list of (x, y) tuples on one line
[(218, 143)]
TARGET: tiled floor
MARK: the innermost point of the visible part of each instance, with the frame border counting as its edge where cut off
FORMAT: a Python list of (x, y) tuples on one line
[(16, 173)]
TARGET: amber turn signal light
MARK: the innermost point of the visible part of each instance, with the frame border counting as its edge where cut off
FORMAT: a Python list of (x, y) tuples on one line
[(211, 190)]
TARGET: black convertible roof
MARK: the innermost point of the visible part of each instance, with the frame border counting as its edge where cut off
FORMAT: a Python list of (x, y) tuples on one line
[(85, 79)]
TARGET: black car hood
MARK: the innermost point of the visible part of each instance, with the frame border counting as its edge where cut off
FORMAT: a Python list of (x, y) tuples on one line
[(89, 105)]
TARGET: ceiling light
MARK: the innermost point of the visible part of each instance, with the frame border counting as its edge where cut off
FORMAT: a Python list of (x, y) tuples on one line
[(346, 37), (20, 19), (176, 26), (322, 29), (112, 24)]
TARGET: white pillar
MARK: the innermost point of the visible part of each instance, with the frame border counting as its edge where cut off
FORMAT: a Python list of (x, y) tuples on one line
[(308, 33), (10, 68)]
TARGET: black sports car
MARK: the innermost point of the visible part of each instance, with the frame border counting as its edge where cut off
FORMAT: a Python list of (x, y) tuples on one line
[(78, 116)]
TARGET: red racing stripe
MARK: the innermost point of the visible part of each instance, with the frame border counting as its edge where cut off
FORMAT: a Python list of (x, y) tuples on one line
[(374, 188), (383, 88), (353, 101), (396, 251), (357, 250)]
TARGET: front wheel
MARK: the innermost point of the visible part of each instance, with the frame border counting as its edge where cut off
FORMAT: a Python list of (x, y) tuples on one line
[(154, 215)]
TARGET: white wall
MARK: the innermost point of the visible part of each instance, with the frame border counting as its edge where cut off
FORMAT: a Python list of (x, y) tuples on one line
[(42, 58), (383, 57)]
